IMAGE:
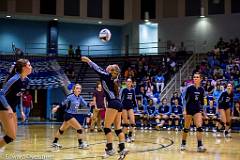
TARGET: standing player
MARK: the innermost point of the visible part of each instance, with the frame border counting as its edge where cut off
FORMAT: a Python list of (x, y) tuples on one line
[(194, 107), (10, 97), (73, 103), (225, 103), (128, 99), (109, 80)]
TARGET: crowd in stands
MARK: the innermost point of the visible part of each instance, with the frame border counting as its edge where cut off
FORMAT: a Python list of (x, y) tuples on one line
[(221, 66)]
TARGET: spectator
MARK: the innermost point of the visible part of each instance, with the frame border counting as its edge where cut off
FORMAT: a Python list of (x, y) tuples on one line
[(99, 101), (27, 104), (70, 51), (176, 96), (163, 114), (176, 114), (78, 52), (159, 80)]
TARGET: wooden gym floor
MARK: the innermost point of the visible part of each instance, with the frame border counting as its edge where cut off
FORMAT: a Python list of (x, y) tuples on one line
[(33, 142)]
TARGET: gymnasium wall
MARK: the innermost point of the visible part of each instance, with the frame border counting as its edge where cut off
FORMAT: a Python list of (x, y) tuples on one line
[(31, 37)]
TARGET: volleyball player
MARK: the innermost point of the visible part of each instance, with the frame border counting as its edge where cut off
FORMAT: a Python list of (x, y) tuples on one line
[(194, 107), (73, 103), (128, 99), (225, 103), (109, 80), (10, 97)]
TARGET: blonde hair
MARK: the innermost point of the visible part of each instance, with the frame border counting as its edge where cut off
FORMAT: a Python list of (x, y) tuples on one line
[(77, 84)]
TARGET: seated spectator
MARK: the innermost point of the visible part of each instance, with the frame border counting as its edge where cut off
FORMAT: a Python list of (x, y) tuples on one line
[(218, 72), (209, 88), (176, 96), (129, 73), (176, 114), (236, 112), (151, 113), (163, 113), (159, 80), (149, 87), (141, 114), (210, 116)]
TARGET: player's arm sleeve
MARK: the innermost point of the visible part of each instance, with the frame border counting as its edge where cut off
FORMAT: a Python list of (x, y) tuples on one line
[(98, 69)]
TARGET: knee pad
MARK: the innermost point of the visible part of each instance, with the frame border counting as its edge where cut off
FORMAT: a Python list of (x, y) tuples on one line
[(133, 125), (199, 129), (227, 124), (185, 130), (107, 130), (80, 131), (60, 131), (125, 125), (7, 139), (118, 131)]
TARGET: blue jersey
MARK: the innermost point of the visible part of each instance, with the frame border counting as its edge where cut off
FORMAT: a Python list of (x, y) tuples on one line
[(107, 82), (211, 110), (177, 110), (151, 110), (225, 100), (11, 92), (128, 98), (164, 109), (73, 103), (194, 97)]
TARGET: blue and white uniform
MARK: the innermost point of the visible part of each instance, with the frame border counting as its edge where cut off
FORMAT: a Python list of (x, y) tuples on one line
[(108, 87), (128, 98), (194, 100), (73, 104), (11, 92)]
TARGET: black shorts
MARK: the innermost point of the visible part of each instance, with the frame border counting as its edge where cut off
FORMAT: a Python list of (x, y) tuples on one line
[(223, 107), (115, 104), (127, 107), (68, 116), (193, 111)]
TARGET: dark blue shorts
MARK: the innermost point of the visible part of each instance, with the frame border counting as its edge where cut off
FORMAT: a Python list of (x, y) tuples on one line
[(128, 107), (68, 116), (223, 107), (115, 104), (192, 111)]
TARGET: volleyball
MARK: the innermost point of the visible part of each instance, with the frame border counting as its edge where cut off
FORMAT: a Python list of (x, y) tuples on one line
[(105, 35)]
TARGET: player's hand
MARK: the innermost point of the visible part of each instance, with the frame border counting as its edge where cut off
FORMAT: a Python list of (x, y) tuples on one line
[(85, 59), (54, 109), (23, 116)]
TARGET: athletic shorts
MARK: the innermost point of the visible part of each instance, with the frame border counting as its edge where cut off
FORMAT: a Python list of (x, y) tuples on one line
[(127, 107), (192, 111), (223, 107), (115, 104), (68, 116)]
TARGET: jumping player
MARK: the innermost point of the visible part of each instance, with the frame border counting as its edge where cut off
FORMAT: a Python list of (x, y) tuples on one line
[(109, 80)]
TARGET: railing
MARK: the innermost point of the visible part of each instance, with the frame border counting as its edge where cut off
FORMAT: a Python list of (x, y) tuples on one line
[(149, 48), (185, 71)]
